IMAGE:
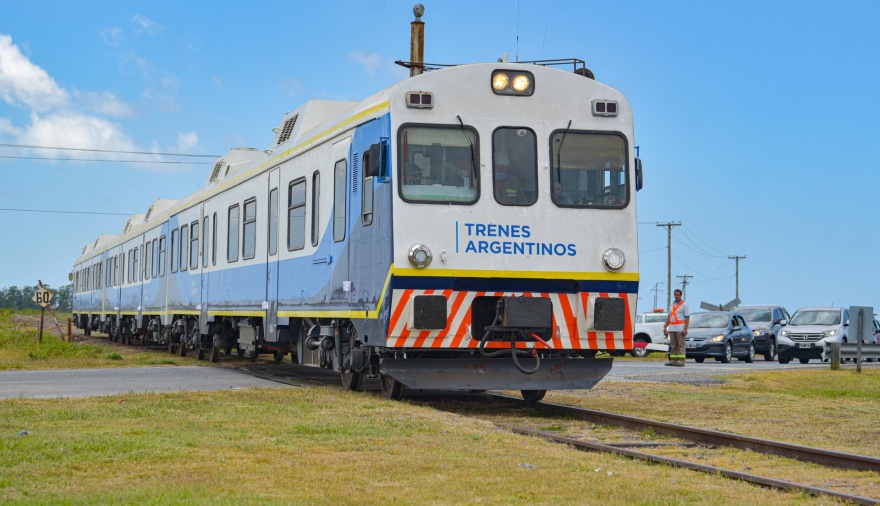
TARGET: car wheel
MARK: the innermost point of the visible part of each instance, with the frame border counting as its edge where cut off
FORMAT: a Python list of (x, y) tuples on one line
[(804, 360), (699, 360), (751, 356), (639, 352), (770, 354), (784, 360), (728, 354)]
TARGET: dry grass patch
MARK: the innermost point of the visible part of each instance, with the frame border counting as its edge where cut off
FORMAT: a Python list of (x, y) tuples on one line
[(20, 348)]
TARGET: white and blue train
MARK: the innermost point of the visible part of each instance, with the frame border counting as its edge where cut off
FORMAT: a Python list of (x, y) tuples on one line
[(471, 227)]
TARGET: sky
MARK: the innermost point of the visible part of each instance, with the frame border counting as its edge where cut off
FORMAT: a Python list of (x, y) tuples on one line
[(755, 121)]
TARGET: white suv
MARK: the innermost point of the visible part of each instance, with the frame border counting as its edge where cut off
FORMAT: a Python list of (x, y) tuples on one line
[(649, 330), (810, 328)]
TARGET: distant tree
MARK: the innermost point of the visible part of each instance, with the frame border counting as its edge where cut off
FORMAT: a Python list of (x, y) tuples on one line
[(63, 297)]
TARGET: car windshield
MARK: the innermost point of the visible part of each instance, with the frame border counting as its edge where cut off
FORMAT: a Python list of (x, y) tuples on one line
[(755, 315), (708, 321), (655, 318), (816, 317)]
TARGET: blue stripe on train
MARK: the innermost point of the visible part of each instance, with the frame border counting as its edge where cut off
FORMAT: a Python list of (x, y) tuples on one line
[(512, 285)]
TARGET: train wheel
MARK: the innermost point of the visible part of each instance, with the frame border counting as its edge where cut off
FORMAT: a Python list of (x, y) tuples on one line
[(391, 388), (182, 349), (532, 396), (201, 353), (170, 346), (352, 381), (215, 354), (240, 351), (277, 356), (227, 351)]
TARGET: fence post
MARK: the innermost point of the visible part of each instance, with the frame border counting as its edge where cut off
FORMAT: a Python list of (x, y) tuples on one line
[(835, 355), (68, 330)]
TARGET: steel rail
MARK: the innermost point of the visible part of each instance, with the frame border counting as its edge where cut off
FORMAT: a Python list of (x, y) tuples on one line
[(727, 473), (820, 456)]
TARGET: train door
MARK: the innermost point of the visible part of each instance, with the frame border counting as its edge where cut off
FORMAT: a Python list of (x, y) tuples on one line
[(341, 287), (272, 256)]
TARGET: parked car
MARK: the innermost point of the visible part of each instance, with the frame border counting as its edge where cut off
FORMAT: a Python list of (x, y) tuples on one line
[(648, 330), (810, 328), (766, 322), (721, 335)]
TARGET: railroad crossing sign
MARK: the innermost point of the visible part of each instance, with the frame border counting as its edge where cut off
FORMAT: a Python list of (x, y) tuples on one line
[(42, 296)]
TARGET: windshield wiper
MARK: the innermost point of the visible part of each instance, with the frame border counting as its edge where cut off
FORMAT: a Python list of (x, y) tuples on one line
[(559, 154), (471, 144)]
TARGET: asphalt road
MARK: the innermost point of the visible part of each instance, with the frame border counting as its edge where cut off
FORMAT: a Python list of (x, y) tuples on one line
[(92, 382)]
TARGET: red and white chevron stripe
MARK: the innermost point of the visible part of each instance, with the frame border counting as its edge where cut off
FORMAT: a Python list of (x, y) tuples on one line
[(572, 322)]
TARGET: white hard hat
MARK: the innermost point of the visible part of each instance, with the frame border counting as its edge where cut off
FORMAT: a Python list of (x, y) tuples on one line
[(501, 158)]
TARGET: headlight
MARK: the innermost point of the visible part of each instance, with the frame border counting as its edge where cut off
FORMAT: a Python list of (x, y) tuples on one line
[(757, 332), (829, 333), (419, 256), (499, 82), (521, 83), (613, 259), (717, 339), (784, 333)]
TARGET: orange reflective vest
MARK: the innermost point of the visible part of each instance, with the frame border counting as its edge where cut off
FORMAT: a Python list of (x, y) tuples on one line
[(673, 316)]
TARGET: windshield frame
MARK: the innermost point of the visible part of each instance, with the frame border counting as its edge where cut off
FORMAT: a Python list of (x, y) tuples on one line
[(744, 312), (839, 317), (696, 317)]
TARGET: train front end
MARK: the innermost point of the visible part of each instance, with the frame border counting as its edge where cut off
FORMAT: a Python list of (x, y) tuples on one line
[(514, 229)]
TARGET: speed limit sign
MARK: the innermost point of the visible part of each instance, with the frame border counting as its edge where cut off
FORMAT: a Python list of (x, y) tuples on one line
[(42, 296)]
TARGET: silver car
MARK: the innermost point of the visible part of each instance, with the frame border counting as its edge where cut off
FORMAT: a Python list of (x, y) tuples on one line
[(810, 328)]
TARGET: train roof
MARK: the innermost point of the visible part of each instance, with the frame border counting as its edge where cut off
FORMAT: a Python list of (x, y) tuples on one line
[(303, 127)]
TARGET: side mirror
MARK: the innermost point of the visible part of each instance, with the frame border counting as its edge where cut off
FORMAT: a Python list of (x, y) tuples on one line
[(372, 168), (640, 177), (783, 322)]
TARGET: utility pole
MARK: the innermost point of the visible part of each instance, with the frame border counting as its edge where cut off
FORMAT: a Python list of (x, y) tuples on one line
[(655, 290), (737, 258), (669, 260), (684, 284)]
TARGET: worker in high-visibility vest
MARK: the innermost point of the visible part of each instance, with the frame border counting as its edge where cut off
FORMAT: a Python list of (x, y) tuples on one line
[(676, 327)]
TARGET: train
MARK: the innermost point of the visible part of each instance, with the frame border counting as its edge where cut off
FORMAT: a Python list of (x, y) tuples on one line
[(472, 227)]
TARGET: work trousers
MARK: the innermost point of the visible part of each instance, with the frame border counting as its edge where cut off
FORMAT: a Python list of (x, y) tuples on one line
[(676, 345)]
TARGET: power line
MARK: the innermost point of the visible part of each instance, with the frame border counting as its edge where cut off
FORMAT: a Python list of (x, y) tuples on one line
[(100, 160), (4, 145), (59, 212)]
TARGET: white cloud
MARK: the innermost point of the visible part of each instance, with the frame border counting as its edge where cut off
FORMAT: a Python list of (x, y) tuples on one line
[(291, 86), (22, 82), (147, 25), (112, 36), (186, 141), (70, 129), (370, 61), (6, 127), (104, 103), (217, 82)]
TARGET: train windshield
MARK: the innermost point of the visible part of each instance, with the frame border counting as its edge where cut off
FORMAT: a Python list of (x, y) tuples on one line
[(438, 164), (589, 169)]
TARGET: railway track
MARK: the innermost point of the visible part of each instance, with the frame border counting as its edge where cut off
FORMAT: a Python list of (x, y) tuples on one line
[(307, 376)]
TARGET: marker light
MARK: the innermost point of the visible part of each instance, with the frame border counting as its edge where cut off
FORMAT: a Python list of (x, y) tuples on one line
[(604, 108), (419, 256), (613, 259)]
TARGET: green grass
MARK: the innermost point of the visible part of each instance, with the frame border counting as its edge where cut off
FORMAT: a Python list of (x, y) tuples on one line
[(311, 446)]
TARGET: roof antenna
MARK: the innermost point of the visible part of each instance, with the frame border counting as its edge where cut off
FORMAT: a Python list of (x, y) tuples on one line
[(517, 30), (544, 43)]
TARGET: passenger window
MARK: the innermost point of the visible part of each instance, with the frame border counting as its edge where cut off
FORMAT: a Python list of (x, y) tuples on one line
[(588, 169), (296, 215), (148, 259), (135, 272), (184, 244), (515, 166), (438, 165), (155, 264), (250, 229), (214, 242), (232, 234), (340, 201)]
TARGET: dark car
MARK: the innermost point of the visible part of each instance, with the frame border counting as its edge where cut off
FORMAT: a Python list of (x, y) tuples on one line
[(766, 322), (721, 335)]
